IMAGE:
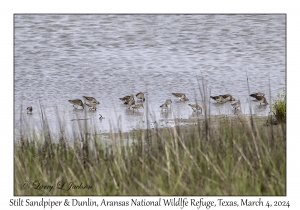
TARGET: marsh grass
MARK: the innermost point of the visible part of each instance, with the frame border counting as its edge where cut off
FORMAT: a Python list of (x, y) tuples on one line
[(279, 107), (213, 155), (227, 156)]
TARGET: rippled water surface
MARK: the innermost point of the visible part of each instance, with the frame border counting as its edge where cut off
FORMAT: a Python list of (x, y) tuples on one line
[(62, 57)]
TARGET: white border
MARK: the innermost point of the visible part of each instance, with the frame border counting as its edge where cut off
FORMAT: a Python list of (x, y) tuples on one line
[(8, 8)]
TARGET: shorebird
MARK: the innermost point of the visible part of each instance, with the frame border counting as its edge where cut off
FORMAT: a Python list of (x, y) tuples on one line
[(29, 110), (258, 96), (195, 107), (101, 117), (91, 100), (254, 95), (236, 104), (137, 106), (140, 96), (180, 96), (168, 101), (219, 99), (91, 106), (262, 99), (164, 106), (228, 97), (130, 102), (126, 99), (76, 102)]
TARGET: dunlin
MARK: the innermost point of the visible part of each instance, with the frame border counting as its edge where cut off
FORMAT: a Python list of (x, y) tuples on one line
[(180, 96), (195, 107), (218, 99), (29, 110), (76, 102), (130, 102), (262, 99), (228, 97), (126, 99), (137, 106), (164, 106), (168, 101), (101, 117), (236, 104), (92, 100), (140, 96), (91, 106), (259, 94)]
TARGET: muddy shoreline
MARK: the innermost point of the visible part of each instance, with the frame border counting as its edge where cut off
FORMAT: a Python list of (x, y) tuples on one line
[(212, 122)]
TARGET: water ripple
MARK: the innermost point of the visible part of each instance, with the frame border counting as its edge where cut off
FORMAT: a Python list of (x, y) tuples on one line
[(62, 57)]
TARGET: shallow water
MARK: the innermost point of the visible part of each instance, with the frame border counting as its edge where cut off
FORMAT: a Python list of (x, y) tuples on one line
[(62, 57)]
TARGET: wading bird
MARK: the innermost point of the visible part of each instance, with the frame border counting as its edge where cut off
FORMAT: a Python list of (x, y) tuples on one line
[(77, 102), (91, 100), (180, 96), (195, 107)]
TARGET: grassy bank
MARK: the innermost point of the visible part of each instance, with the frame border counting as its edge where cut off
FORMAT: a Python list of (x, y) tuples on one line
[(236, 155)]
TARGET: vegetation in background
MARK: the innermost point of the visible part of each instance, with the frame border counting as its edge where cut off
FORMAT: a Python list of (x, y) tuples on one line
[(279, 107)]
